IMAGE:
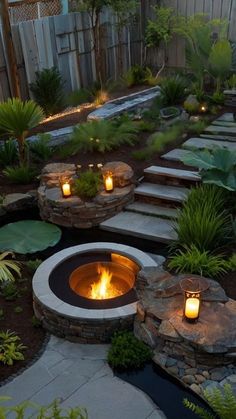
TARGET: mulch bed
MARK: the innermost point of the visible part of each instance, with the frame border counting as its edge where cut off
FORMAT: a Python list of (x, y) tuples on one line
[(21, 323)]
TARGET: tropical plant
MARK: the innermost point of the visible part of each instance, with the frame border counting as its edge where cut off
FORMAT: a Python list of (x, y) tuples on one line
[(9, 291), (22, 174), (7, 266), (28, 236), (217, 167), (202, 222), (195, 127), (128, 352), (220, 61), (218, 98), (17, 118), (193, 261), (10, 348), (88, 184), (41, 148), (173, 90), (222, 402), (53, 410), (232, 262), (8, 153), (103, 135), (48, 90)]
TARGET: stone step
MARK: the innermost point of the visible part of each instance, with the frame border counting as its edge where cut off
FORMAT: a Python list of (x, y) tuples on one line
[(175, 155), (229, 92), (169, 172), (213, 129), (162, 192), (153, 210), (201, 143), (221, 123), (218, 137), (226, 117), (142, 226)]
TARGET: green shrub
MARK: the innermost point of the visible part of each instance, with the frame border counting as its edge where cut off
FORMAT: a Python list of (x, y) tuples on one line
[(145, 126), (162, 139), (173, 90), (77, 97), (8, 268), (18, 309), (22, 175), (9, 291), (232, 262), (10, 348), (135, 75), (48, 90), (35, 322), (218, 98), (203, 222), (88, 184), (128, 352), (196, 127), (33, 265), (141, 155), (222, 402), (102, 136), (231, 82), (8, 153), (193, 261), (40, 148)]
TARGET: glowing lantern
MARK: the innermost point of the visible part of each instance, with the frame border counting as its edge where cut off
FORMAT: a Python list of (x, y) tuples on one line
[(193, 287), (65, 188), (108, 182)]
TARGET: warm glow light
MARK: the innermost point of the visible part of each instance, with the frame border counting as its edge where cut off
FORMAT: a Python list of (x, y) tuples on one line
[(108, 182), (192, 306), (66, 189), (104, 289), (68, 111)]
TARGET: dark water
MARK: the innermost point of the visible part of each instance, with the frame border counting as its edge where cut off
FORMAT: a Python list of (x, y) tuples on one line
[(166, 392)]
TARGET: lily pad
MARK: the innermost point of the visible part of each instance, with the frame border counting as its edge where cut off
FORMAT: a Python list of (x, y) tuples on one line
[(28, 236)]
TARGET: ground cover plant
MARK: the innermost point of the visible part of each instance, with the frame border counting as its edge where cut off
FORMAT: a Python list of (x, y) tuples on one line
[(88, 184)]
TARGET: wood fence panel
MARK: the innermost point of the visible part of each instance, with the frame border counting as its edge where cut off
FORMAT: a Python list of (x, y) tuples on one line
[(5, 91)]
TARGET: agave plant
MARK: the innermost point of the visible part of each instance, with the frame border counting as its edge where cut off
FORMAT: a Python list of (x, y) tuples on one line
[(7, 266), (16, 119), (217, 167)]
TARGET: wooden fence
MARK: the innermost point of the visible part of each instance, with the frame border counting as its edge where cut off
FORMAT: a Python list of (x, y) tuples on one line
[(65, 41)]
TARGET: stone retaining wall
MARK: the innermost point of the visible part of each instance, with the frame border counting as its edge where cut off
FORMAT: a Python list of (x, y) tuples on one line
[(75, 212)]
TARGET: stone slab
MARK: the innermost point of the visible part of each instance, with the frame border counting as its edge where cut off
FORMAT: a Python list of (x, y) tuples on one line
[(226, 117), (202, 143), (163, 192), (224, 124), (142, 226), (221, 130), (175, 155), (153, 210), (173, 173), (124, 104), (218, 137)]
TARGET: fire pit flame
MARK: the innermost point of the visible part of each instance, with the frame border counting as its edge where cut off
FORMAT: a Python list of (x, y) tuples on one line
[(103, 288)]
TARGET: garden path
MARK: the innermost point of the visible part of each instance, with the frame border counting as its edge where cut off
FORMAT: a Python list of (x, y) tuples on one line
[(79, 375), (163, 189)]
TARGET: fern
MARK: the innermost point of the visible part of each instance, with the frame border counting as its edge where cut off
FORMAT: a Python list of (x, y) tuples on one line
[(200, 411)]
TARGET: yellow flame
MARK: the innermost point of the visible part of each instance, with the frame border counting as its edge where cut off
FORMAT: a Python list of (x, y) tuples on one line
[(103, 289)]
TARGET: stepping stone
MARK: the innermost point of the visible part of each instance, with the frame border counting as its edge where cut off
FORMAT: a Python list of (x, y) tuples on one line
[(230, 92), (175, 155), (224, 124), (201, 143), (218, 137), (154, 210), (226, 117), (164, 192), (173, 173), (142, 226), (221, 130)]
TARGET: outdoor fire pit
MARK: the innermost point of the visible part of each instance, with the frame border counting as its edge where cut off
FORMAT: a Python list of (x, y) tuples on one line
[(87, 292)]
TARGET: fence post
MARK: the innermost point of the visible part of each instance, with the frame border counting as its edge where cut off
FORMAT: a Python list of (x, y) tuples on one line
[(10, 50)]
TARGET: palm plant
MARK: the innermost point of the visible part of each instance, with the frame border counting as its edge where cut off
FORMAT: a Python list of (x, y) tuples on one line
[(16, 119), (6, 266), (173, 90)]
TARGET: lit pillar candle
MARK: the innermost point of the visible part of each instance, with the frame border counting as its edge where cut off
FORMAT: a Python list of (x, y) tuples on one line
[(192, 306), (66, 189), (108, 179)]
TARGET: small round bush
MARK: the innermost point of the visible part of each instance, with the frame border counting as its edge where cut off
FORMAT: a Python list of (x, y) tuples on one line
[(128, 352)]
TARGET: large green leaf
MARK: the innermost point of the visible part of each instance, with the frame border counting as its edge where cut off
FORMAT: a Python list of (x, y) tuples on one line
[(221, 179), (200, 159), (28, 236), (224, 159)]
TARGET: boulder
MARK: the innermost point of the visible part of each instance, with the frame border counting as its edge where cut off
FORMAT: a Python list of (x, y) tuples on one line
[(17, 202), (122, 173)]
